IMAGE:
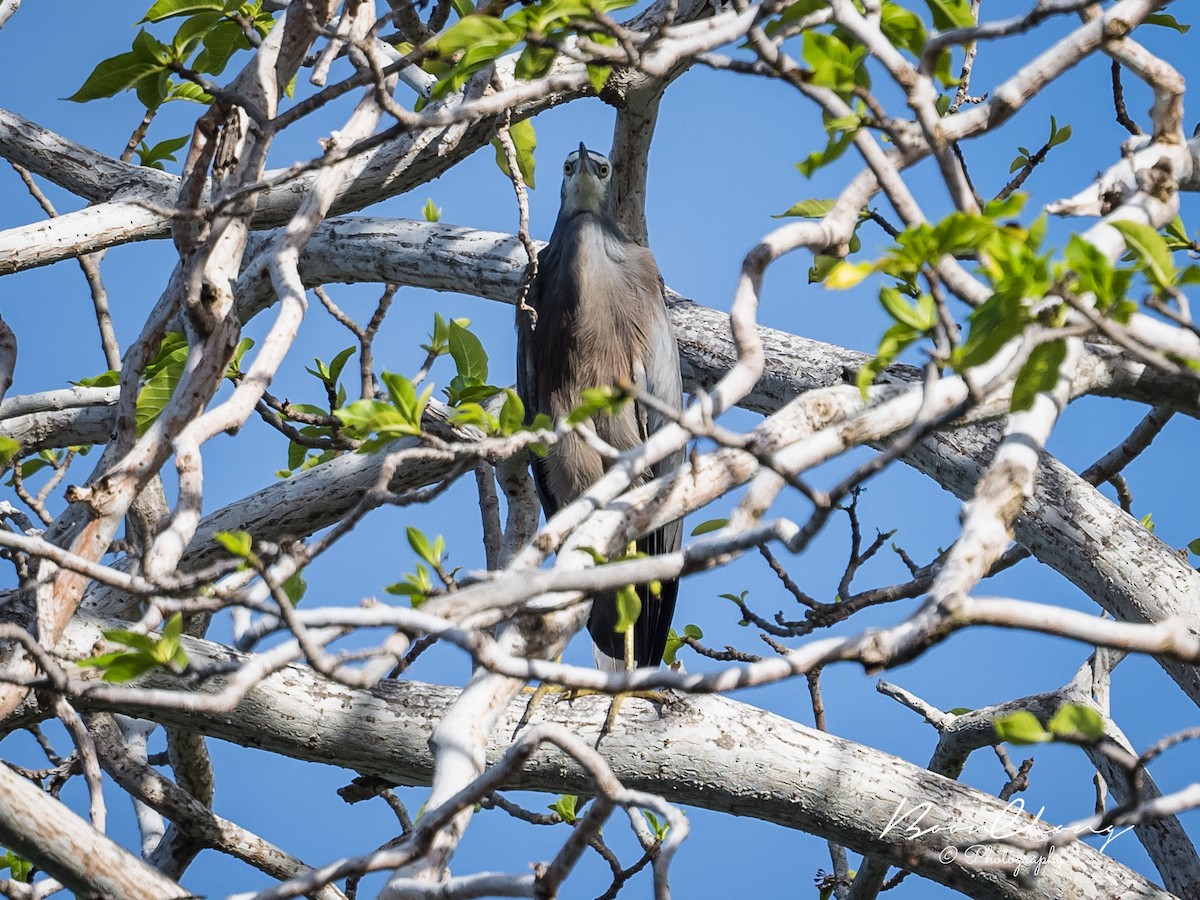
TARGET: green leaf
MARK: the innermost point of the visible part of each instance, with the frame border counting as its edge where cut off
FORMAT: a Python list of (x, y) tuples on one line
[(152, 92), (903, 28), (9, 450), (363, 418), (20, 868), (845, 275), (187, 90), (709, 526), (1167, 21), (463, 392), (598, 74), (1151, 249), (512, 413), (160, 376), (128, 666), (130, 639), (839, 141), (481, 39), (659, 828), (894, 342), (167, 648), (920, 318), (597, 400), (118, 73), (439, 341), (421, 546), (629, 608), (468, 354), (944, 76), (534, 62), (1073, 721), (147, 652), (994, 323), (1147, 522), (807, 209), (405, 400), (565, 806), (475, 32), (525, 142), (191, 32), (1177, 236), (337, 364), (821, 267), (239, 543), (675, 641), (1008, 208), (1194, 546), (1021, 728), (948, 14), (220, 43), (235, 365), (111, 378), (1058, 135), (1094, 272), (165, 9), (961, 233), (833, 63), (163, 151), (417, 587), (431, 212), (794, 12), (1039, 374), (295, 587)]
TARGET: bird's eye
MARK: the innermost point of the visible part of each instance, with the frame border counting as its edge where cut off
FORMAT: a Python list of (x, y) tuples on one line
[(566, 168), (604, 171)]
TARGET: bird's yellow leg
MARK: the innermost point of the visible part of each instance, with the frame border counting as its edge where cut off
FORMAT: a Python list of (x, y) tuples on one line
[(539, 694), (615, 707)]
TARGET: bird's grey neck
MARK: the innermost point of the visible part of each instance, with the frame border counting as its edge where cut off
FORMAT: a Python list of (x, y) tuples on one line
[(572, 207), (580, 217)]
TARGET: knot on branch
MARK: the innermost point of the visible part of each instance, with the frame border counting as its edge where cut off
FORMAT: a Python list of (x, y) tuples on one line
[(1116, 29), (1158, 181)]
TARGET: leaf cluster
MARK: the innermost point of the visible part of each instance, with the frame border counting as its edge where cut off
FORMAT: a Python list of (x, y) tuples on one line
[(161, 375), (418, 585), (1072, 723), (207, 38), (477, 39), (836, 60), (144, 653), (302, 457)]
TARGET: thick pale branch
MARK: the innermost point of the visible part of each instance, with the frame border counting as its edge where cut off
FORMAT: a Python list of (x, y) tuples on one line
[(199, 822), (43, 830), (709, 752)]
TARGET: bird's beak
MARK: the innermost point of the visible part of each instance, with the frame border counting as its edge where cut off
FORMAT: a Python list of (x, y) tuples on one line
[(585, 160)]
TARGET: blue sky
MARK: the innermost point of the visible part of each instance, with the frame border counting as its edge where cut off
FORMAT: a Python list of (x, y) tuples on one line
[(722, 163)]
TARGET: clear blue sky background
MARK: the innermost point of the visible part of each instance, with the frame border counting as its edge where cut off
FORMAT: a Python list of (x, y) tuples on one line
[(722, 164)]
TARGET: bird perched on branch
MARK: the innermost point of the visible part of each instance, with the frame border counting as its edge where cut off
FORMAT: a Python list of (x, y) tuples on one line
[(601, 320)]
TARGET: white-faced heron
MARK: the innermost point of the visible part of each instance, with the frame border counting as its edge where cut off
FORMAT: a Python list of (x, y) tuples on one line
[(601, 320)]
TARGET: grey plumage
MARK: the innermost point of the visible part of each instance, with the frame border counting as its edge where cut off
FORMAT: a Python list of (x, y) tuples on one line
[(601, 319)]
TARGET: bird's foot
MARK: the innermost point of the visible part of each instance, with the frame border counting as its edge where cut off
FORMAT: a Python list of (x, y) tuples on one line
[(539, 694), (658, 697)]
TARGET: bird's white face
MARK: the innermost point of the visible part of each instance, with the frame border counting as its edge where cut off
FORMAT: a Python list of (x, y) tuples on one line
[(585, 181)]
